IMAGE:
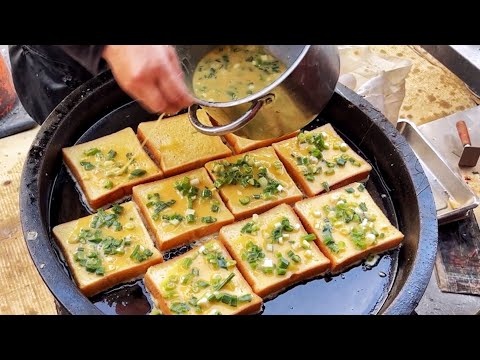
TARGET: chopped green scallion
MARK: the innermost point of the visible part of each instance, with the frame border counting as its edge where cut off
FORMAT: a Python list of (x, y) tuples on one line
[(224, 282), (87, 165), (138, 172), (91, 152), (244, 200), (208, 219), (309, 237), (325, 186), (245, 298)]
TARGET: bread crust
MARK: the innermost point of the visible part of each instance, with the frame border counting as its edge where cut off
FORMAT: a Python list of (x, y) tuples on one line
[(221, 152), (295, 195), (188, 236), (117, 192), (251, 308), (110, 279), (337, 265), (279, 285), (353, 174)]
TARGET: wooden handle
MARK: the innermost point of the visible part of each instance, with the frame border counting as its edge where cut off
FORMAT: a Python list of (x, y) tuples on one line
[(463, 132)]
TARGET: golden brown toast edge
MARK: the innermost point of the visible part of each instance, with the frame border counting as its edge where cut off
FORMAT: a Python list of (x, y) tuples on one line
[(107, 281)]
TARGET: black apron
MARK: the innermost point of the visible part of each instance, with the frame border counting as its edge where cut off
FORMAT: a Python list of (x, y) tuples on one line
[(44, 75)]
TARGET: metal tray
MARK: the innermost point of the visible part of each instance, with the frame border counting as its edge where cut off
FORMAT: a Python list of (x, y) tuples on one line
[(453, 198)]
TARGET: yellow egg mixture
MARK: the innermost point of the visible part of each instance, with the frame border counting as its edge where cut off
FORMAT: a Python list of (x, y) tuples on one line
[(347, 222), (182, 203), (322, 157), (232, 72), (106, 242), (252, 179), (273, 246), (111, 162), (203, 281)]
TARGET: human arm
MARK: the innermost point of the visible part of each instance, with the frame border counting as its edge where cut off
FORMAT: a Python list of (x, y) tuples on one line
[(150, 74)]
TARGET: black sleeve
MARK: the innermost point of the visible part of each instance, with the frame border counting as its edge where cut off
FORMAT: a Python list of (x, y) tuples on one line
[(89, 56)]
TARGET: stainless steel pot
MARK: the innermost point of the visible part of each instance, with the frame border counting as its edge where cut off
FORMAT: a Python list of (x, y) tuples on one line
[(286, 105)]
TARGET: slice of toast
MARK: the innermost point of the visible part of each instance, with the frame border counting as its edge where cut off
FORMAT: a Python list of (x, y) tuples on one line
[(203, 281), (241, 145), (348, 225), (100, 169), (320, 160), (272, 250), (107, 248), (253, 182), (178, 147), (166, 208)]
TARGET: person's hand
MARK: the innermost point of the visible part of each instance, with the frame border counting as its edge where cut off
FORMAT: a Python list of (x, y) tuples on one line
[(151, 74)]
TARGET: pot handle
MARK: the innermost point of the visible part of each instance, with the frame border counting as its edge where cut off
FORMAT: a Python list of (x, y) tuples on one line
[(224, 129)]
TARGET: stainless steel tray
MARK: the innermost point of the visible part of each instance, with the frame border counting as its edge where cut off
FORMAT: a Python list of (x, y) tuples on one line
[(453, 198)]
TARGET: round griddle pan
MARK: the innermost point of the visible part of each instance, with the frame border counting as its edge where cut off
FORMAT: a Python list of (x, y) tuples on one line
[(397, 183)]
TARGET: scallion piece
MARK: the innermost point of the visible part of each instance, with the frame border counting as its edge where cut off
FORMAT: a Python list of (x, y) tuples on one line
[(245, 298), (293, 256), (87, 165), (117, 209), (185, 279), (179, 308), (224, 282), (263, 182), (341, 162), (170, 286), (325, 186), (228, 299), (187, 262), (209, 219), (245, 200), (277, 164), (202, 284), (309, 237), (249, 228), (111, 154), (140, 255), (108, 184), (91, 152), (283, 263), (206, 193), (138, 172), (350, 190), (190, 202)]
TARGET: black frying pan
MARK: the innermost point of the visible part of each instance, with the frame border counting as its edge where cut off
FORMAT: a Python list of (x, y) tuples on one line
[(398, 184)]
